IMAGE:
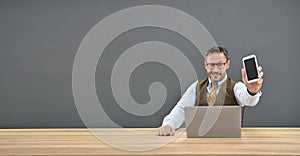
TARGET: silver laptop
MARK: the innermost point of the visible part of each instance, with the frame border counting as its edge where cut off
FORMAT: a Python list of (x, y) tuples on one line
[(213, 121)]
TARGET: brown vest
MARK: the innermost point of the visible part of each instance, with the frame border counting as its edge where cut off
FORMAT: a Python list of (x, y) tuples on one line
[(225, 96)]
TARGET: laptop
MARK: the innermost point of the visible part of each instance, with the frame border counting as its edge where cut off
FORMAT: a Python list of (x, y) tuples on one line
[(213, 121)]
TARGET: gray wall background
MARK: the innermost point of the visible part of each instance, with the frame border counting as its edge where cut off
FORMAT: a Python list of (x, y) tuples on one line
[(39, 40)]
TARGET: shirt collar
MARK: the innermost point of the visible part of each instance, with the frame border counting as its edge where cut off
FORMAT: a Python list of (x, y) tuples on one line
[(219, 83)]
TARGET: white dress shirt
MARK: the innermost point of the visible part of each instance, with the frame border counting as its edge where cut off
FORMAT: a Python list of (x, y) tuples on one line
[(176, 117)]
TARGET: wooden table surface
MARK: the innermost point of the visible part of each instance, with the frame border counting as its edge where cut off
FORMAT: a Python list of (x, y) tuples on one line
[(254, 141)]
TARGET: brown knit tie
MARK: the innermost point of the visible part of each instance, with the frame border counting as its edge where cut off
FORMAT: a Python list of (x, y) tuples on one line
[(213, 94)]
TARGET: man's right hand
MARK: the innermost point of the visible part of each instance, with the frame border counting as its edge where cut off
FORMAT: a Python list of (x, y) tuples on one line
[(165, 130)]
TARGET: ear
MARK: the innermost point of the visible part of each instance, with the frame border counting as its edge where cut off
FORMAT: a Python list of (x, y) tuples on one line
[(204, 64), (228, 64)]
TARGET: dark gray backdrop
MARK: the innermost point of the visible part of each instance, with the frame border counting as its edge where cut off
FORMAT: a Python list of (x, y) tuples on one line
[(39, 40)]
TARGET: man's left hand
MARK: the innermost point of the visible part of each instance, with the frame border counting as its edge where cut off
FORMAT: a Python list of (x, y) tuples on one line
[(253, 87)]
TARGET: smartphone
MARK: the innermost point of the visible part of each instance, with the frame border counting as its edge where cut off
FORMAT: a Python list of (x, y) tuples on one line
[(250, 65)]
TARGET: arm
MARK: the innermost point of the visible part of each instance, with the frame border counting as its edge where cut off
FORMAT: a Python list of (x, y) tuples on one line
[(176, 117), (248, 94), (243, 97)]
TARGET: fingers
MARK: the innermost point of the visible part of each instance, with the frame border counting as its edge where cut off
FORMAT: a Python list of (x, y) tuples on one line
[(165, 131), (172, 132), (260, 81), (158, 131), (260, 72), (260, 75), (259, 69), (243, 75)]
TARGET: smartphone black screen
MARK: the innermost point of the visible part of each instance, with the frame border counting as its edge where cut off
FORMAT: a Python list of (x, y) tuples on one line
[(251, 69)]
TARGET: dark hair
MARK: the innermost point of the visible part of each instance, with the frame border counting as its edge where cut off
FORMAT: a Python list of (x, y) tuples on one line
[(218, 50)]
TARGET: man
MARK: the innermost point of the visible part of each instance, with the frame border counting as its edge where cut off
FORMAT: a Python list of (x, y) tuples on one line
[(207, 92)]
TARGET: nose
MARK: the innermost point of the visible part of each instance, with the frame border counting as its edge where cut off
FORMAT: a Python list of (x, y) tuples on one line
[(215, 68)]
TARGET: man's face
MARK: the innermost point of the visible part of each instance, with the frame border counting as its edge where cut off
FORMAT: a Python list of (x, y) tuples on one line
[(216, 66)]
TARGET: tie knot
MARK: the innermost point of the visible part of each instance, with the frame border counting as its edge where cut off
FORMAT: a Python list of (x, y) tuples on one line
[(214, 85)]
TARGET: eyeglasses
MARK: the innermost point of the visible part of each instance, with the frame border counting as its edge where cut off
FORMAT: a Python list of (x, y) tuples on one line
[(212, 65)]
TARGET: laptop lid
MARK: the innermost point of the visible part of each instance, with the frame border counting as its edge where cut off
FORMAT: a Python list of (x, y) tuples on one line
[(213, 121)]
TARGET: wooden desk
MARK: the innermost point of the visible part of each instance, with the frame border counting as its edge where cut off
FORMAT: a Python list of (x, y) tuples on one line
[(254, 141)]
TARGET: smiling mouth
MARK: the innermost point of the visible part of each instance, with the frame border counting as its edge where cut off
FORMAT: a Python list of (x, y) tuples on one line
[(215, 74)]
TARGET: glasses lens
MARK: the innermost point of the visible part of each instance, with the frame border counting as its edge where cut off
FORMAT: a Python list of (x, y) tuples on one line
[(212, 65)]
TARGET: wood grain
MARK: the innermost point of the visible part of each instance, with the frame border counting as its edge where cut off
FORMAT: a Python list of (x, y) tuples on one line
[(254, 141)]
